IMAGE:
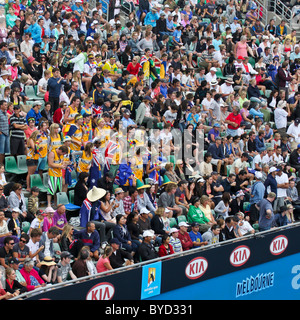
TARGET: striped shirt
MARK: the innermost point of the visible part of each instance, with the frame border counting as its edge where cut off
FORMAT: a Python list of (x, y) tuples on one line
[(15, 132), (4, 126), (176, 244), (205, 55)]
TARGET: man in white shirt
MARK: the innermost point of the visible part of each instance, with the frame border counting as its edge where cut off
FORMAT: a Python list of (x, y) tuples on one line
[(257, 161), (226, 88), (240, 164), (33, 245), (280, 116), (282, 186), (211, 75), (43, 83), (269, 156), (26, 46), (294, 132)]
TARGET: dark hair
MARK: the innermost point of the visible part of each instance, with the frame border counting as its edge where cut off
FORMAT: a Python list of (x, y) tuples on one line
[(7, 240)]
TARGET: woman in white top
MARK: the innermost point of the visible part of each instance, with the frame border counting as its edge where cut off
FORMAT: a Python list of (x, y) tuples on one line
[(222, 208)]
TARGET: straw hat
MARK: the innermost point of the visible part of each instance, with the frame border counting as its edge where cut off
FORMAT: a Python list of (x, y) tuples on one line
[(95, 194), (48, 261)]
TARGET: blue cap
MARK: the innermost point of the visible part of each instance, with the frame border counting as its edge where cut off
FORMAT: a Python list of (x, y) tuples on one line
[(216, 125)]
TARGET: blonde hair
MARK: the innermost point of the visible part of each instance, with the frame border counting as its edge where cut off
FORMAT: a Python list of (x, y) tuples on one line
[(52, 130), (160, 211)]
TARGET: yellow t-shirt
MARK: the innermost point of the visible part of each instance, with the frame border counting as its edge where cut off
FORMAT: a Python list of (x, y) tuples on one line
[(111, 68), (56, 172)]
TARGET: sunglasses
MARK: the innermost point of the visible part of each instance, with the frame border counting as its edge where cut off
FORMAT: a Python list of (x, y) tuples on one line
[(11, 243), (24, 241)]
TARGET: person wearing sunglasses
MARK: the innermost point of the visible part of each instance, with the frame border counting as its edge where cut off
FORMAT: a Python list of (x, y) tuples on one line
[(21, 250), (6, 252)]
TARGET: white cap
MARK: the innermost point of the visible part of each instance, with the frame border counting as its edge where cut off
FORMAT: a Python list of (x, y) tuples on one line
[(144, 210), (183, 224), (258, 175), (213, 69), (16, 209), (173, 230), (148, 233), (273, 169)]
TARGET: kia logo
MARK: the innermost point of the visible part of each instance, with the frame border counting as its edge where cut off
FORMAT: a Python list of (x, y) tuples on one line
[(101, 291), (278, 245), (239, 256), (196, 268)]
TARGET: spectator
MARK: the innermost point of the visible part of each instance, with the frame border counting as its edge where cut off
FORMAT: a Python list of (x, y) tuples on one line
[(64, 271)]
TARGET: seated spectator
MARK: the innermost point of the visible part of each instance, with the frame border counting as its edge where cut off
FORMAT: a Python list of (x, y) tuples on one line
[(211, 236), (119, 258), (147, 250), (175, 241), (90, 237), (64, 271), (79, 267), (195, 215), (196, 236), (31, 276)]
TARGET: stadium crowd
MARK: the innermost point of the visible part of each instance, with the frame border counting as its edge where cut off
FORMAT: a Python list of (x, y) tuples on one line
[(172, 128)]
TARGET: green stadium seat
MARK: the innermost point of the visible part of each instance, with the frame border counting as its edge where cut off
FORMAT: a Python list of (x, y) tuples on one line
[(21, 162), (12, 167), (71, 196), (181, 218), (62, 198), (173, 222), (30, 93), (36, 181)]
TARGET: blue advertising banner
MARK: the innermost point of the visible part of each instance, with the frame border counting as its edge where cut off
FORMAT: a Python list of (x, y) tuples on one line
[(151, 280), (275, 280)]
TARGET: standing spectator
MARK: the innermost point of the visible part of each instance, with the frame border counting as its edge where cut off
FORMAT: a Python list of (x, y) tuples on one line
[(266, 214), (55, 84), (4, 131), (18, 126)]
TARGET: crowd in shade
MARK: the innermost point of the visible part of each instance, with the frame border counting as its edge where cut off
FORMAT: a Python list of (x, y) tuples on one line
[(134, 130)]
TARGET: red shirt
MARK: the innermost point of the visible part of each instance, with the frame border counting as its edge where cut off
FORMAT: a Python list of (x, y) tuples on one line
[(162, 251), (133, 70), (185, 240), (237, 119), (57, 115)]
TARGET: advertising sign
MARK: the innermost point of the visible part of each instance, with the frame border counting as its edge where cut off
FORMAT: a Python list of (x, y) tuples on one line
[(151, 280)]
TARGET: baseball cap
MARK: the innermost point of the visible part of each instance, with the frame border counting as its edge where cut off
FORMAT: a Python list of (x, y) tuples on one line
[(13, 260), (66, 254), (172, 230), (195, 224), (258, 175), (144, 210), (273, 169), (115, 240), (183, 224), (148, 233)]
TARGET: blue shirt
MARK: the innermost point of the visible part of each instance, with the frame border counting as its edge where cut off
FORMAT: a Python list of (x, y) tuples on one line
[(177, 35), (258, 192), (32, 114), (195, 237), (265, 221), (128, 122), (216, 43)]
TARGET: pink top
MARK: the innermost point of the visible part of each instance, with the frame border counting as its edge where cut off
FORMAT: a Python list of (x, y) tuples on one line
[(241, 49), (100, 264), (27, 275), (47, 224)]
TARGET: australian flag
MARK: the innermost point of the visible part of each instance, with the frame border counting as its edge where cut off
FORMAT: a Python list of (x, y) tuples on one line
[(85, 212), (95, 170), (111, 149)]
